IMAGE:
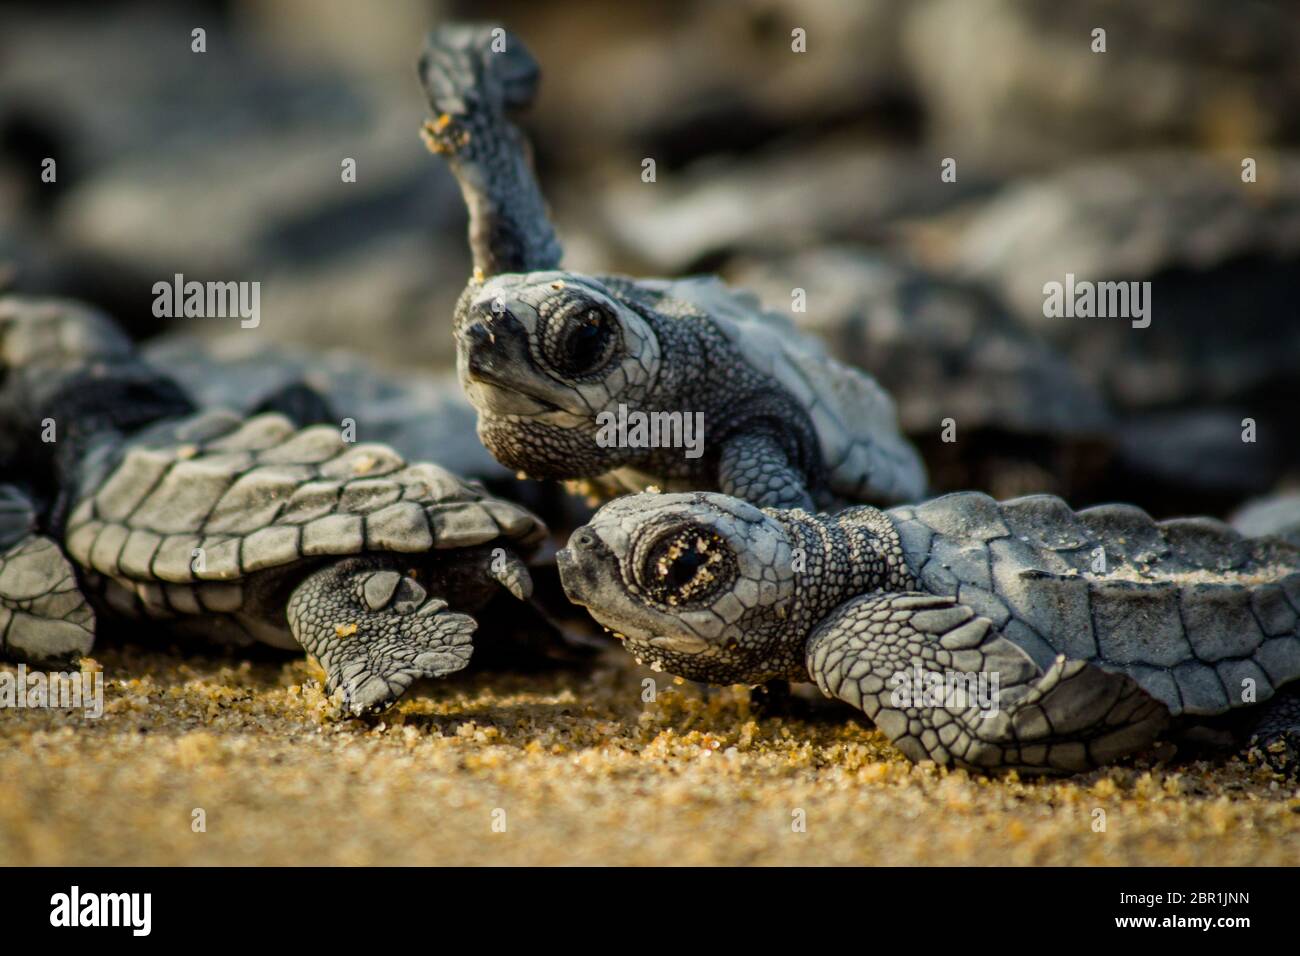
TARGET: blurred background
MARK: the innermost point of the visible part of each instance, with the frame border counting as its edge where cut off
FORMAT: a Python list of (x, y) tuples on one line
[(816, 171)]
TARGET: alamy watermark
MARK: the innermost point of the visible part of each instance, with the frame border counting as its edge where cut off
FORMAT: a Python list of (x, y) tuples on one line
[(952, 690), (133, 911), (1086, 299), (637, 429), (208, 300), (54, 690)]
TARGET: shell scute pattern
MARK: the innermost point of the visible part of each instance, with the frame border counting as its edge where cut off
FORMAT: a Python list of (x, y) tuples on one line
[(257, 495), (1189, 608)]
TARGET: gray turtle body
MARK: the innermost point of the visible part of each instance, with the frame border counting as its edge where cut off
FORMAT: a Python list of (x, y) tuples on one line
[(992, 635), (245, 528), (421, 417), (551, 359)]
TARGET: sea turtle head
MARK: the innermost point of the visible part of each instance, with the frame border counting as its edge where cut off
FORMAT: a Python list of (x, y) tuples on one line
[(701, 585), (541, 356)]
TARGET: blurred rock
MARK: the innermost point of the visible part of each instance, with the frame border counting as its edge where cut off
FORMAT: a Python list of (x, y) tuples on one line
[(227, 165), (1193, 459), (123, 82), (1277, 514), (1015, 82), (1222, 256), (679, 80), (782, 201)]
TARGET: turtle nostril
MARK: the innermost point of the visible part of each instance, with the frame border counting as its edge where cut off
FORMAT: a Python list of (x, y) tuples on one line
[(494, 309)]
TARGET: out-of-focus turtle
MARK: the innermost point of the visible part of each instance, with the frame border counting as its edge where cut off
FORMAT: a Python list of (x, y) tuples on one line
[(989, 403), (600, 377), (990, 635), (1210, 343), (423, 417), (238, 528)]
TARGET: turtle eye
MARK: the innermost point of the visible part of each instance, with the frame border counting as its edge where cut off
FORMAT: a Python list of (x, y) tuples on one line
[(687, 566), (583, 341)]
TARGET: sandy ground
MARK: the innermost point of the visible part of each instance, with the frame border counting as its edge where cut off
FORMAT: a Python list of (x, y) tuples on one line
[(563, 768)]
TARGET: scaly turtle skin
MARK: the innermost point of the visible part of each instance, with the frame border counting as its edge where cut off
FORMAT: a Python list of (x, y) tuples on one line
[(43, 612), (241, 528), (1099, 627), (542, 353)]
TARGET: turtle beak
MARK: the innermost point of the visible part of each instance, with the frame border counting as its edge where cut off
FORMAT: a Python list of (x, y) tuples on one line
[(479, 344), (570, 575), (579, 565)]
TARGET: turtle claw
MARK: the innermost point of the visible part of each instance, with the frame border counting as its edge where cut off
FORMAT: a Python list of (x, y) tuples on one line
[(43, 614)]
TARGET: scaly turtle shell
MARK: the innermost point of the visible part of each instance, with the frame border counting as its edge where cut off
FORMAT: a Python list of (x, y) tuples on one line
[(257, 493), (1188, 607)]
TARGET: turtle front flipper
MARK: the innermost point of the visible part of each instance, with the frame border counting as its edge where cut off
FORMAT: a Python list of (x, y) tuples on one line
[(472, 75), (44, 616), (943, 685), (375, 630), (755, 467)]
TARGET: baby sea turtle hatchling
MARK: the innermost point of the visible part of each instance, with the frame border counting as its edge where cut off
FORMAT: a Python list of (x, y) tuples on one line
[(236, 528), (989, 635), (552, 358)]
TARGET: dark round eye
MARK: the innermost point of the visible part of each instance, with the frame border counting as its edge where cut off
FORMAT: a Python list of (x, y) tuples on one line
[(687, 566), (583, 341), (681, 571)]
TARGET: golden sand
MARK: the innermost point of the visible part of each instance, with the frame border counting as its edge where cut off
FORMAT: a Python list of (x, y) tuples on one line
[(563, 768)]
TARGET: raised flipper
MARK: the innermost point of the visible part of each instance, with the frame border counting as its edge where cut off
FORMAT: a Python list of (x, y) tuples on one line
[(375, 630), (994, 709), (44, 616), (472, 76)]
